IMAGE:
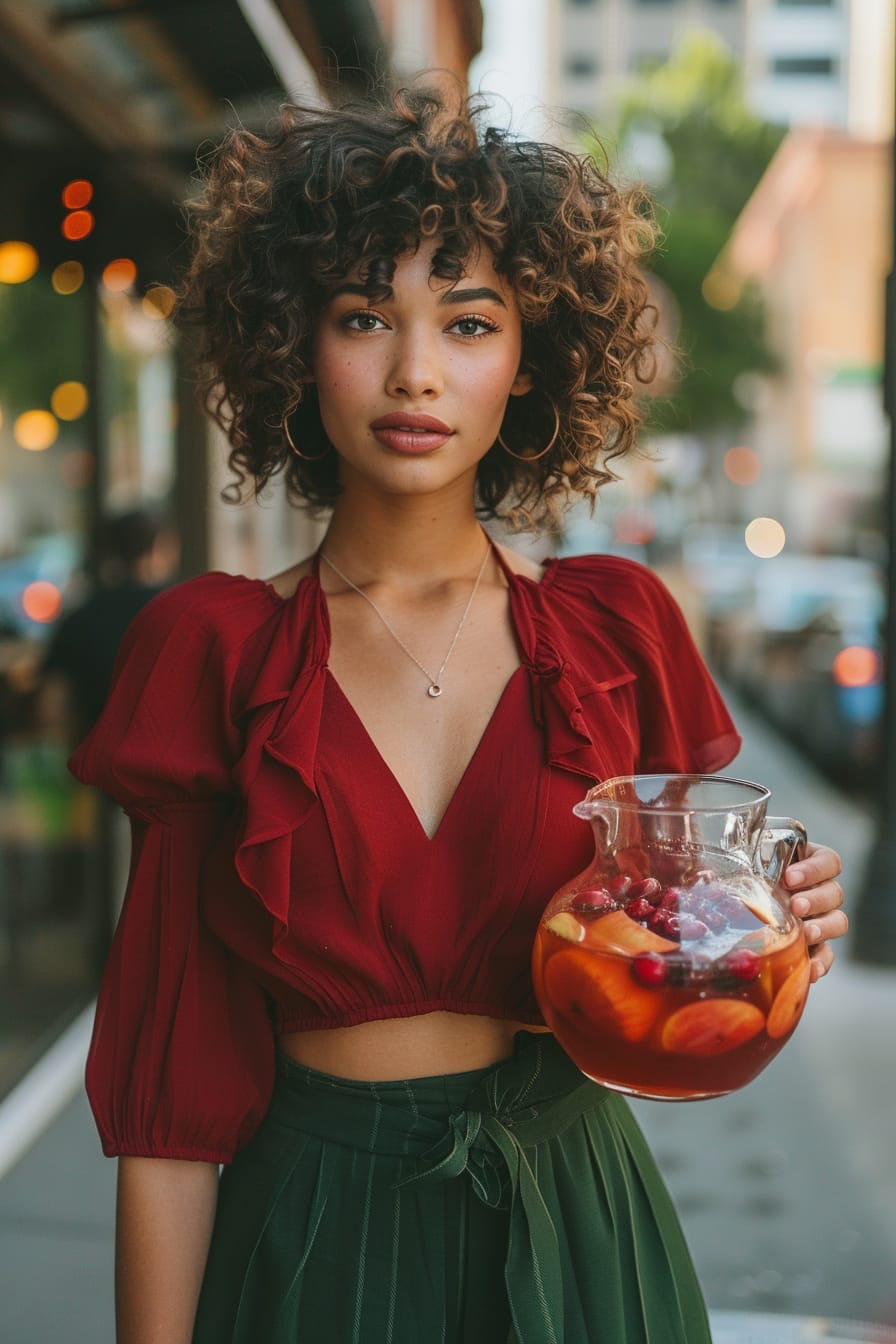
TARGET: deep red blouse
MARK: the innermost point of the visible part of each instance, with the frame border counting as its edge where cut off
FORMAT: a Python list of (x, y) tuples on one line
[(280, 878)]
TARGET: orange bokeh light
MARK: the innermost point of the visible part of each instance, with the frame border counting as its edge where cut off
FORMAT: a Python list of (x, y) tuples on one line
[(742, 465), (77, 225), (42, 601), (77, 194), (857, 666), (119, 275)]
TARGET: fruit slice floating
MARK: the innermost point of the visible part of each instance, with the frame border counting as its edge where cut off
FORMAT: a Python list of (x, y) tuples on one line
[(618, 933), (711, 1027), (597, 994), (788, 1004), (566, 925)]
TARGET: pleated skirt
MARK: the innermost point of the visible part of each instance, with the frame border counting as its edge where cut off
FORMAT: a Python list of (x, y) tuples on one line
[(517, 1204)]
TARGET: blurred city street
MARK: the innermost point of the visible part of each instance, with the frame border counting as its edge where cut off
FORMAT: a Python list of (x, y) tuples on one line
[(785, 1189)]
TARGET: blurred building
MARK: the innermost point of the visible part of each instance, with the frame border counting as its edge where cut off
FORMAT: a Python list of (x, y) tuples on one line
[(104, 106), (815, 237), (795, 53)]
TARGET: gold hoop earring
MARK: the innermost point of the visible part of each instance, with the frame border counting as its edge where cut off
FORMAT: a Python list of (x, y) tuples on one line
[(284, 425), (535, 456)]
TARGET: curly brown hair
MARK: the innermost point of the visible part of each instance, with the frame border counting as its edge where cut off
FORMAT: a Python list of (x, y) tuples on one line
[(283, 217)]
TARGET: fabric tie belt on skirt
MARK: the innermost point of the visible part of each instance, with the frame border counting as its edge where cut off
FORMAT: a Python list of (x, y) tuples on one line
[(516, 1105)]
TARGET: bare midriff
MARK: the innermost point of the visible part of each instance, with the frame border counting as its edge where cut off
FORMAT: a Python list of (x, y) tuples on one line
[(406, 1047)]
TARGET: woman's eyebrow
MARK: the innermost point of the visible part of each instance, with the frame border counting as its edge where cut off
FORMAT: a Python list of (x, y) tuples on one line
[(450, 296), (472, 296)]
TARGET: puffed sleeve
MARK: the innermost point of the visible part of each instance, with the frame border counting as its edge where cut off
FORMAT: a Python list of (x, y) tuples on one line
[(181, 1062), (683, 724)]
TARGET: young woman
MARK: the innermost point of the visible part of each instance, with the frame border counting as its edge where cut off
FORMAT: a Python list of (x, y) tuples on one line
[(351, 787)]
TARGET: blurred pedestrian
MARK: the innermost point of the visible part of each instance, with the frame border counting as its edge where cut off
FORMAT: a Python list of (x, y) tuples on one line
[(351, 786), (138, 556)]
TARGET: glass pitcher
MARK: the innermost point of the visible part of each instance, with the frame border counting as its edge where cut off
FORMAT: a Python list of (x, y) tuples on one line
[(672, 967)]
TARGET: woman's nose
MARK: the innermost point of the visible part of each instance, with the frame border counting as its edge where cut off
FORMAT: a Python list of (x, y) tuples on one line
[(415, 370)]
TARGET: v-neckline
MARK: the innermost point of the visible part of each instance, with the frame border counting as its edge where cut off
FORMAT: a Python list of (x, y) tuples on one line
[(390, 773), (515, 582)]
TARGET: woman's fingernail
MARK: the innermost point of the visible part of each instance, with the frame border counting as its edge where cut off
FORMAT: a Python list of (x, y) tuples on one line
[(794, 876), (813, 933), (800, 905)]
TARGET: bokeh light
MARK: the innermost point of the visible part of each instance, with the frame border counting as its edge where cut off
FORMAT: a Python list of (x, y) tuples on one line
[(35, 430), (77, 468), (721, 289), (119, 275), (765, 538), (69, 400), (742, 465), (18, 262), (42, 601), (68, 277), (857, 666), (158, 302), (77, 194), (77, 225)]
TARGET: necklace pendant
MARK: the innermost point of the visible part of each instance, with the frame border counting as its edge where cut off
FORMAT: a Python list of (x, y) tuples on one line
[(434, 690)]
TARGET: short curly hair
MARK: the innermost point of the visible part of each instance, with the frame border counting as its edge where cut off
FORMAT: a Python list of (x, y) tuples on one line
[(282, 217)]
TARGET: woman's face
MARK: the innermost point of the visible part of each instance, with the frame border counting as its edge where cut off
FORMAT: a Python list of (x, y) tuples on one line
[(412, 390)]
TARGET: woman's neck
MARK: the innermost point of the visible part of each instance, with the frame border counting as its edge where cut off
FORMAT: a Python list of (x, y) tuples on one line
[(407, 540)]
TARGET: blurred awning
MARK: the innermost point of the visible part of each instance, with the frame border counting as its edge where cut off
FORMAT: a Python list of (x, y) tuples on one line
[(125, 92)]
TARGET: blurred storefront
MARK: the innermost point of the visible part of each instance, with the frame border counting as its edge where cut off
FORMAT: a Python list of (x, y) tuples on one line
[(103, 108)]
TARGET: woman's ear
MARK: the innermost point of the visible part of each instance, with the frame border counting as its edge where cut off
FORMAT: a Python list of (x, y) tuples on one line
[(521, 384)]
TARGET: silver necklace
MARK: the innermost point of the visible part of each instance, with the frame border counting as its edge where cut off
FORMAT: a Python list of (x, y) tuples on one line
[(435, 682)]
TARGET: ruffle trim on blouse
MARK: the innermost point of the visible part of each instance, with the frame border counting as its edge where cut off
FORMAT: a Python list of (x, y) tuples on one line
[(573, 740), (275, 772)]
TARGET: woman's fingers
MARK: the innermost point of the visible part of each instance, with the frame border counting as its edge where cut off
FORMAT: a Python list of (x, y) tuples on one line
[(817, 900), (820, 865)]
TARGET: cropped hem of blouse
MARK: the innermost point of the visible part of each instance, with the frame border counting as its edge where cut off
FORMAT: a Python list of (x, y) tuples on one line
[(415, 1008), (279, 871)]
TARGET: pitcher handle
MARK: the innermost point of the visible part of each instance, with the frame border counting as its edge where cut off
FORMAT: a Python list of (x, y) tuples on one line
[(782, 841)]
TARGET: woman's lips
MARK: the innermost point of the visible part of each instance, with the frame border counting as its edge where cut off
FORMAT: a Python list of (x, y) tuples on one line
[(411, 433)]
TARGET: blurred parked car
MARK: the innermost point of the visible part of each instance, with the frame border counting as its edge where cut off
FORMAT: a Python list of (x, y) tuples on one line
[(806, 646)]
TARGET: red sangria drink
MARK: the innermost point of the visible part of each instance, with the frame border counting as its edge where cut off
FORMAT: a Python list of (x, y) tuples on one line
[(672, 968)]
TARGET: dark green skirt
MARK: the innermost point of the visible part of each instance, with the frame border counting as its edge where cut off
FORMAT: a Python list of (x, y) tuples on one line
[(514, 1203)]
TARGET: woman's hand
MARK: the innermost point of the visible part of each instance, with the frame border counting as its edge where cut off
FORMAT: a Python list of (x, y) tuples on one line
[(818, 903)]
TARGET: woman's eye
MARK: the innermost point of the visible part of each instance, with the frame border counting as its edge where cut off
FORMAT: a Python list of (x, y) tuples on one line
[(362, 321), (472, 326)]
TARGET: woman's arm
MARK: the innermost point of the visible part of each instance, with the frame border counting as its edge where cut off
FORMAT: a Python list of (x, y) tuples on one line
[(164, 1220)]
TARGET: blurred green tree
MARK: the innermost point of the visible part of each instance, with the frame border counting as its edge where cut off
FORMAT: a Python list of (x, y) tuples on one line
[(684, 128)]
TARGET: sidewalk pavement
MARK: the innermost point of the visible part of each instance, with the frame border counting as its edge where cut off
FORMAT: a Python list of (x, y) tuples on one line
[(785, 1189)]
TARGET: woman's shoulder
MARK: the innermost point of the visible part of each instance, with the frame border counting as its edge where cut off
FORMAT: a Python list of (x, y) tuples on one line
[(614, 582), (215, 603)]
